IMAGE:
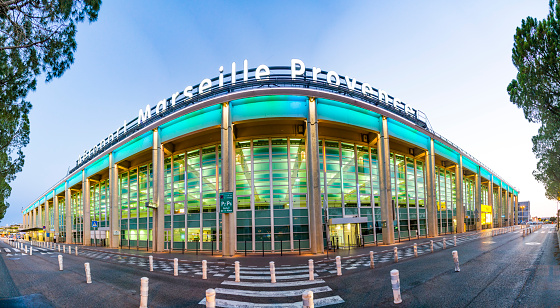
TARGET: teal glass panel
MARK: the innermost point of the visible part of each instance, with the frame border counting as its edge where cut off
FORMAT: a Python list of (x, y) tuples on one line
[(203, 118), (59, 189), (446, 152), (485, 174), (75, 179), (406, 133), (134, 146), (97, 166), (346, 113), (469, 164), (274, 106)]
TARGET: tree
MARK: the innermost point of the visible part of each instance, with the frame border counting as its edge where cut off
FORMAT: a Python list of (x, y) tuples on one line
[(536, 90), (36, 37)]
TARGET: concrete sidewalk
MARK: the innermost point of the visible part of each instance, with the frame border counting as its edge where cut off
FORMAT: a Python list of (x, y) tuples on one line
[(286, 258)]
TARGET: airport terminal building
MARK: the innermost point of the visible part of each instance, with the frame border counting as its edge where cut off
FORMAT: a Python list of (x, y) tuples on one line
[(271, 158)]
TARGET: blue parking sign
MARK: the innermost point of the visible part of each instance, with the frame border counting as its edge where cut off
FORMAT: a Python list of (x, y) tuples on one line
[(94, 224)]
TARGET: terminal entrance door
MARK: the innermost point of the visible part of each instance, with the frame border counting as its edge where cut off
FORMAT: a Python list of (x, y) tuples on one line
[(167, 238), (345, 235)]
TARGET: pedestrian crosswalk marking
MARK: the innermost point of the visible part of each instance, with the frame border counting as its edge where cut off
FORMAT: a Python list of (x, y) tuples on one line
[(271, 293), (318, 302), (277, 277), (273, 285)]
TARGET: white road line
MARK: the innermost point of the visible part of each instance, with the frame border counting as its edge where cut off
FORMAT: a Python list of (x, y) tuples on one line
[(252, 293), (279, 271), (319, 302), (7, 250), (273, 285), (268, 277)]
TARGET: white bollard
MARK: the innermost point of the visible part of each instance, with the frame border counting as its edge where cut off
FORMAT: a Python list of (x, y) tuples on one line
[(307, 298), (210, 298), (151, 263), (272, 272), (456, 260), (204, 269), (88, 272), (432, 245), (175, 267), (371, 265), (237, 271), (144, 292), (415, 250), (69, 250), (76, 250), (26, 249), (396, 286), (64, 248), (443, 241), (454, 240), (338, 266), (60, 262), (396, 254), (31, 250), (58, 247), (311, 269)]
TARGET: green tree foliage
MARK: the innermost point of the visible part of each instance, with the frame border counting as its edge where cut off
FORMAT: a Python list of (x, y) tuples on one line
[(536, 55), (36, 37)]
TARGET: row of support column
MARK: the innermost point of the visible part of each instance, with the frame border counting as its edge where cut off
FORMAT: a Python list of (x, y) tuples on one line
[(316, 223)]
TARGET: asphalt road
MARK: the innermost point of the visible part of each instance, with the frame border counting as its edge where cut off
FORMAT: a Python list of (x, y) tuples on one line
[(502, 271), (507, 270)]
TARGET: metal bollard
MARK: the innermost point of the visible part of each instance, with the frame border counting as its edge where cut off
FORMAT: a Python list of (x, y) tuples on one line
[(371, 265), (396, 285), (175, 267), (88, 272), (454, 240), (415, 250), (338, 266), (311, 269), (272, 272), (432, 245), (60, 262), (237, 271), (456, 260), (210, 298), (396, 254), (144, 292), (204, 269), (443, 241), (31, 250), (307, 298)]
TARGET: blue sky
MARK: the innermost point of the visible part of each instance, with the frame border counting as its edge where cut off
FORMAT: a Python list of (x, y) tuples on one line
[(450, 59)]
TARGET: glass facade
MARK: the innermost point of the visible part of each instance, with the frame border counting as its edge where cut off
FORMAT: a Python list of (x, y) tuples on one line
[(446, 200), (271, 193), (271, 200), (135, 189), (77, 211), (61, 220)]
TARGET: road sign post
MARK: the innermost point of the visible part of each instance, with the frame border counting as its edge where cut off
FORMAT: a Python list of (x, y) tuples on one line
[(95, 224)]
